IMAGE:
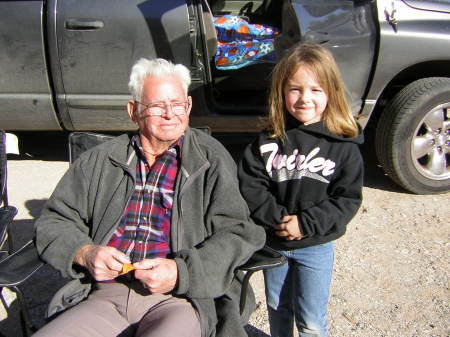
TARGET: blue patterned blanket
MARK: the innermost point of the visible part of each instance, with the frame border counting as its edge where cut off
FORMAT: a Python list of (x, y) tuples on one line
[(241, 43)]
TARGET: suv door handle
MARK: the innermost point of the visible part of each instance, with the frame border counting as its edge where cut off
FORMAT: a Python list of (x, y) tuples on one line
[(83, 24)]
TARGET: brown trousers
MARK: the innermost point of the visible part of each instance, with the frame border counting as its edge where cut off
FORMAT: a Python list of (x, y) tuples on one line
[(122, 310)]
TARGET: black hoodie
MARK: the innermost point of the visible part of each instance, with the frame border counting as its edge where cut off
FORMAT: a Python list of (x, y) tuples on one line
[(314, 174)]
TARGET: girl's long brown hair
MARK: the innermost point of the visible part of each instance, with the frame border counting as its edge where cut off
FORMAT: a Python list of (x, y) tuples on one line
[(337, 116)]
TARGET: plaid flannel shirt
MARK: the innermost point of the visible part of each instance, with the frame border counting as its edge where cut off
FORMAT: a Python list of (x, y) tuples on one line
[(144, 230)]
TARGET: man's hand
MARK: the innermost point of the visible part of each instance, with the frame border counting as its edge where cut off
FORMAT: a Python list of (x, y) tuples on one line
[(158, 275), (103, 262), (289, 228)]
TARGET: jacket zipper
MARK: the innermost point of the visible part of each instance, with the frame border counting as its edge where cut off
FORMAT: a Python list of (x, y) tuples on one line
[(201, 315), (113, 229)]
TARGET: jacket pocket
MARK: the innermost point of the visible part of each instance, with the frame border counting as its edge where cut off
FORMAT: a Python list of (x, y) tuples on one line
[(70, 294)]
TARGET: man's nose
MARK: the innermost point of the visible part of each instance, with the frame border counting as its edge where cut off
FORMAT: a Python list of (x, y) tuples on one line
[(168, 112)]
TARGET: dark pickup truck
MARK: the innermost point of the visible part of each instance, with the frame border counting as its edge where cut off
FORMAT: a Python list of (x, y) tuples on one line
[(65, 66)]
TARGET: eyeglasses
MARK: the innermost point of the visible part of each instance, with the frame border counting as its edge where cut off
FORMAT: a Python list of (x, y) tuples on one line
[(158, 108)]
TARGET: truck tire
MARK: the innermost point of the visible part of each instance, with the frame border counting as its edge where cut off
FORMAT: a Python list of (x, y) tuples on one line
[(413, 136)]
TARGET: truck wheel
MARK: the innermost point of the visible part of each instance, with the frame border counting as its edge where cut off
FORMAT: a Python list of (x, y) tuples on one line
[(413, 136)]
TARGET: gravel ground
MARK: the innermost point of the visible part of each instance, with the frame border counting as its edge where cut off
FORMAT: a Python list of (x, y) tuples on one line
[(391, 274)]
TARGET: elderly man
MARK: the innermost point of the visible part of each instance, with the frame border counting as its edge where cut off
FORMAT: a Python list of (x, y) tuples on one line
[(165, 200)]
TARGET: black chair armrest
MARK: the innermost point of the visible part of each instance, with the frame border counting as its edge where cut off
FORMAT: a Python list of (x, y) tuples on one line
[(19, 266), (264, 258)]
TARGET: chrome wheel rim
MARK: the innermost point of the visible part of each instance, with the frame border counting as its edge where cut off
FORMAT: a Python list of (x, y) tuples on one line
[(430, 146)]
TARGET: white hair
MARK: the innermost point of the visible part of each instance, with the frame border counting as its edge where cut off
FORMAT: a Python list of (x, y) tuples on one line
[(144, 68)]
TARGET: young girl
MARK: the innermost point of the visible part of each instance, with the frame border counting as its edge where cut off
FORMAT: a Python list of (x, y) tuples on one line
[(302, 181)]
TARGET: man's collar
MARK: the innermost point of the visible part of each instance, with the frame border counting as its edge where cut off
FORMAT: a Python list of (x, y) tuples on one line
[(174, 148)]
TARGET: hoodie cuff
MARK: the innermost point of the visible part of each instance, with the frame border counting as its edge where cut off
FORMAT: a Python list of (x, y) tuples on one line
[(304, 228), (183, 277)]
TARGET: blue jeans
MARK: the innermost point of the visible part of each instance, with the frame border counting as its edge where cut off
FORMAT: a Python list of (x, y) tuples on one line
[(300, 290)]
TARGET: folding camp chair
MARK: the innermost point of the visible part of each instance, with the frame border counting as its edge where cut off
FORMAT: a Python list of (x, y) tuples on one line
[(15, 266), (263, 259)]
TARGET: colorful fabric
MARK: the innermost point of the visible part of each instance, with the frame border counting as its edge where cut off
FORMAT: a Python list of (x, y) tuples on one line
[(144, 230), (241, 43)]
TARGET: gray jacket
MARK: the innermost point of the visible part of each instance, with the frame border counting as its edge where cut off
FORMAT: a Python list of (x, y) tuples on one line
[(211, 232)]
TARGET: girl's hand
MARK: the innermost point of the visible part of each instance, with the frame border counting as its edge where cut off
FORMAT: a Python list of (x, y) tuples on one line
[(289, 229)]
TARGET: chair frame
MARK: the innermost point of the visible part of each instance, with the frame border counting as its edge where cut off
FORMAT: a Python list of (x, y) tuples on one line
[(18, 265), (7, 212)]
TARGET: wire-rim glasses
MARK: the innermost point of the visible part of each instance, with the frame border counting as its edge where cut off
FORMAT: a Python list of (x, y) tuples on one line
[(159, 108)]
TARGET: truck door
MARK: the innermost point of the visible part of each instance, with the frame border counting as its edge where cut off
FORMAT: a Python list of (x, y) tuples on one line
[(347, 28), (25, 97), (97, 43)]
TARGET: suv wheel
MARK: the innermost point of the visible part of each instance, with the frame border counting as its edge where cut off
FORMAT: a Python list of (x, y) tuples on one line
[(413, 136)]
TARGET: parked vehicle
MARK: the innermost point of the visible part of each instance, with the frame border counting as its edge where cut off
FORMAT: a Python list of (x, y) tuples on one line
[(65, 66)]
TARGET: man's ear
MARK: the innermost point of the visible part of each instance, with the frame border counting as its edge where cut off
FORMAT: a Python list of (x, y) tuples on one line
[(189, 99), (132, 111)]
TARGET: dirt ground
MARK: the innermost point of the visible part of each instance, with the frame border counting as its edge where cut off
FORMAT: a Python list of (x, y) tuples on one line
[(391, 274)]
